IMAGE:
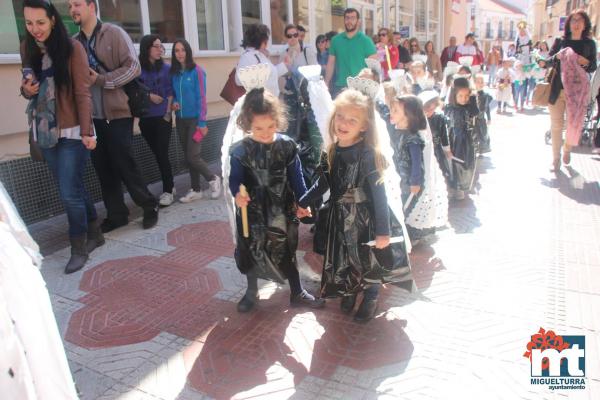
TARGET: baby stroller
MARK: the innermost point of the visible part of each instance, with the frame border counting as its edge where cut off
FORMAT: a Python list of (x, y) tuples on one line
[(590, 123)]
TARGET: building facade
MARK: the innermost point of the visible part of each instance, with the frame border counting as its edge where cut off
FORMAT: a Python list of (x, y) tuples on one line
[(495, 22), (214, 29), (548, 17)]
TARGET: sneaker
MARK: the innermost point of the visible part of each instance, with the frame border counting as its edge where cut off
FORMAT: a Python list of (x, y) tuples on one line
[(596, 150), (305, 299), (215, 188), (108, 225), (192, 195), (166, 199)]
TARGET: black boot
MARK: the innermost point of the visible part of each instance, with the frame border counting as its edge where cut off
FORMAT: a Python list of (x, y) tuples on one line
[(95, 238), (150, 218), (108, 225), (247, 302), (366, 310), (79, 254), (347, 303)]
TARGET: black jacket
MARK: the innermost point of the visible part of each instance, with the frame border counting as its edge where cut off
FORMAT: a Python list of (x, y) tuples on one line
[(584, 47)]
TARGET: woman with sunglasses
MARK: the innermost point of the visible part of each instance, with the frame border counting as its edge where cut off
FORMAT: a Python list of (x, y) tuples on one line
[(322, 52), (578, 38), (387, 54), (156, 124), (414, 47)]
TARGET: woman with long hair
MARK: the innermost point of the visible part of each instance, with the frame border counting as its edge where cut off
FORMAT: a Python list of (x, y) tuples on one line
[(156, 124), (189, 87), (434, 64), (568, 87), (414, 47), (57, 83), (387, 53)]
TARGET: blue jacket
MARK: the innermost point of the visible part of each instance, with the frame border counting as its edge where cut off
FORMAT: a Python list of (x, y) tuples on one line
[(189, 87)]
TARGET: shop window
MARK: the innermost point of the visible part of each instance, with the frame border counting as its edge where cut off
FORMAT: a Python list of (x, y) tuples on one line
[(126, 14), (166, 19), (279, 19), (210, 25)]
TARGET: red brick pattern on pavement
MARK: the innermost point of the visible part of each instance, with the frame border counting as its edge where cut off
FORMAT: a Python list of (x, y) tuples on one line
[(132, 300)]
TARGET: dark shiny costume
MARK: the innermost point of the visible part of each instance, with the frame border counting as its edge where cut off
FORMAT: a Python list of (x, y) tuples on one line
[(411, 171), (481, 129), (439, 132), (350, 266), (463, 142), (303, 128), (270, 251)]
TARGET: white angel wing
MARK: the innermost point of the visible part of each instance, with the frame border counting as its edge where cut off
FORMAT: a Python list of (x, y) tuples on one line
[(594, 86), (232, 135), (431, 210), (320, 100), (391, 177)]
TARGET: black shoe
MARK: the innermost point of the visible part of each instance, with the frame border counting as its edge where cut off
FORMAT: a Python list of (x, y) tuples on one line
[(108, 225), (150, 218), (79, 254), (366, 311), (347, 303), (305, 299), (247, 303), (95, 238)]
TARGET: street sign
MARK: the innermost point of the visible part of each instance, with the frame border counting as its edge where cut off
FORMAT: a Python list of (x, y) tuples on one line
[(404, 31)]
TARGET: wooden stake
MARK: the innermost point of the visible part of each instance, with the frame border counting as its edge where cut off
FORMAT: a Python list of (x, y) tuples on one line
[(245, 229)]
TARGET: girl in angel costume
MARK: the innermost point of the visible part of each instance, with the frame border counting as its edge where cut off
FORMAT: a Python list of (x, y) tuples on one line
[(367, 243), (267, 164)]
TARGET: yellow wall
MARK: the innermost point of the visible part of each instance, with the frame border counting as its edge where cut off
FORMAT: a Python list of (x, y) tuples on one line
[(13, 128)]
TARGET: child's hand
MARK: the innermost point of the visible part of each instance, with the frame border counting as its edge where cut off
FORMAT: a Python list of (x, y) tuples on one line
[(175, 107), (381, 242), (241, 201), (415, 189), (449, 154), (303, 212)]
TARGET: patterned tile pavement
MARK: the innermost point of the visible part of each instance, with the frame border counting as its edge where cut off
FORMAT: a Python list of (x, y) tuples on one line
[(152, 316)]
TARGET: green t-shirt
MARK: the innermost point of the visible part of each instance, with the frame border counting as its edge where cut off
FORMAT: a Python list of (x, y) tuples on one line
[(350, 55)]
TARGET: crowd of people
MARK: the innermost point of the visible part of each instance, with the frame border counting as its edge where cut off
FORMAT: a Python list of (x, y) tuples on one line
[(369, 149)]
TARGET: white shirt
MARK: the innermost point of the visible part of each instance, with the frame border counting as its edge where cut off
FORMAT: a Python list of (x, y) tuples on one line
[(252, 57)]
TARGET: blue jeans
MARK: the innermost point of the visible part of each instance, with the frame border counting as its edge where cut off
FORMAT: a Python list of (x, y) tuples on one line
[(520, 93), (67, 161), (493, 69)]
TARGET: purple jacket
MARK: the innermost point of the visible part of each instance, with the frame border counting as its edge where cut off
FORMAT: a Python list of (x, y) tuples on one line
[(159, 83)]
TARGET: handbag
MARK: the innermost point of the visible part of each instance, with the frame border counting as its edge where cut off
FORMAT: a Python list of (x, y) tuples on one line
[(231, 92), (541, 92), (34, 149)]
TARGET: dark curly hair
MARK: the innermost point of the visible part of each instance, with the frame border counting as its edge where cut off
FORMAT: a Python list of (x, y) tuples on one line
[(586, 19), (413, 109), (261, 102), (255, 35)]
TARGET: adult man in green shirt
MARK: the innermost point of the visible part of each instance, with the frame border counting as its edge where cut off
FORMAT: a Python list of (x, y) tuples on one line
[(347, 52)]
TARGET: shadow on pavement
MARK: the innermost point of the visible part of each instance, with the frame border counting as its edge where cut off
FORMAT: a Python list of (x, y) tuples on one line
[(275, 342), (574, 186), (462, 216)]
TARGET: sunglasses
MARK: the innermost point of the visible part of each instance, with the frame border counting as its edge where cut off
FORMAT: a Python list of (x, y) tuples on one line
[(291, 35), (383, 34)]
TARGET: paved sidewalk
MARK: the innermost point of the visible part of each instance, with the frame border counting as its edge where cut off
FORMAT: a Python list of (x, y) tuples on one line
[(152, 316)]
